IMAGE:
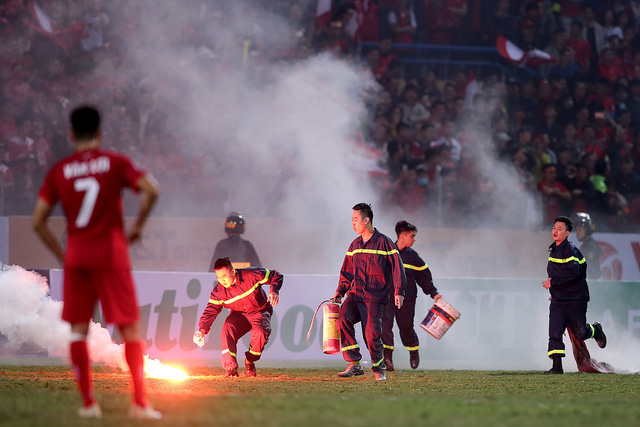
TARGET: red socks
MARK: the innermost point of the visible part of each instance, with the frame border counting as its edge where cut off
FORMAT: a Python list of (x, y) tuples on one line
[(133, 353), (81, 367)]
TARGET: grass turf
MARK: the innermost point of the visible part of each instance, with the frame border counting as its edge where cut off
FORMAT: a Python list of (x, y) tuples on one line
[(47, 396)]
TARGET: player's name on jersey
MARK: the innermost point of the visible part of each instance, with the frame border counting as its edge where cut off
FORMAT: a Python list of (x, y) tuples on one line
[(89, 167)]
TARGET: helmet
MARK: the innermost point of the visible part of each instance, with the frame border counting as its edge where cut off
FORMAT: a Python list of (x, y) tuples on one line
[(582, 219), (234, 223)]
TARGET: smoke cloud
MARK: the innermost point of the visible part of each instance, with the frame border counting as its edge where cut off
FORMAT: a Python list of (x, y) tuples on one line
[(28, 315)]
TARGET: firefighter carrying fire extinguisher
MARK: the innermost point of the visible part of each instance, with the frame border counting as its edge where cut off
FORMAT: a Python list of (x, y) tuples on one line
[(371, 267), (240, 290)]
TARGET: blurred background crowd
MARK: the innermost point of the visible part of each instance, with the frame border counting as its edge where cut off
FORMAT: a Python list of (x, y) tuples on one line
[(448, 111)]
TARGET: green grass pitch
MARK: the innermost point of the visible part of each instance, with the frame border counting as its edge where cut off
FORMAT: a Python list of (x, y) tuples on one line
[(47, 396)]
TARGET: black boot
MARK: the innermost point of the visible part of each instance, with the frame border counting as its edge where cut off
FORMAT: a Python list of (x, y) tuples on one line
[(388, 359), (414, 359), (557, 366), (599, 335)]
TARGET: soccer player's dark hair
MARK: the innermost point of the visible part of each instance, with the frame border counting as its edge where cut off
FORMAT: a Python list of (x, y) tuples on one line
[(85, 122)]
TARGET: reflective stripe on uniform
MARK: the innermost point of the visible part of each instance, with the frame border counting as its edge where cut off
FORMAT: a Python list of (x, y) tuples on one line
[(593, 331), (372, 251), (244, 294), (413, 267), (390, 347), (226, 350), (552, 352), (378, 362), (255, 353), (351, 347), (413, 348), (566, 260)]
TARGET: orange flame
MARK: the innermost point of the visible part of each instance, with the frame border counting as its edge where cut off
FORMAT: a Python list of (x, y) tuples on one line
[(154, 369)]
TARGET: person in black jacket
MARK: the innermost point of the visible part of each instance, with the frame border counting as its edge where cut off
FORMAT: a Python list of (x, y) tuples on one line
[(567, 283), (371, 268), (240, 251), (251, 310), (417, 271)]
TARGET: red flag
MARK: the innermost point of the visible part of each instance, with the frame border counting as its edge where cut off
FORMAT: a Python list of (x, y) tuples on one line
[(532, 58)]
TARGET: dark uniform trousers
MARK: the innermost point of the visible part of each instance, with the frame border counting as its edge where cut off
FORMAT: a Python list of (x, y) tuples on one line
[(562, 315), (404, 316), (370, 315), (236, 326)]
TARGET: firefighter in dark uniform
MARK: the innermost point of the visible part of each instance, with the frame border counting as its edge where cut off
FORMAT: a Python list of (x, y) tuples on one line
[(417, 271), (240, 251), (371, 267), (251, 309), (567, 272), (589, 247)]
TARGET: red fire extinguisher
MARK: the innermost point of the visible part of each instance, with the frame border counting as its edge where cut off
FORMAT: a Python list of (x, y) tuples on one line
[(330, 333)]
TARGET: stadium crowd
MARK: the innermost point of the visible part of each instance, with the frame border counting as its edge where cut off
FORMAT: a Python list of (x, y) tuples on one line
[(568, 131)]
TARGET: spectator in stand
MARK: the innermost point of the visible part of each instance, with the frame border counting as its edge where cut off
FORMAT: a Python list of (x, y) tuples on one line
[(439, 21), (565, 156), (580, 46), (577, 181), (402, 23), (555, 196), (413, 112), (503, 22), (593, 33), (448, 139), (567, 67), (430, 85), (626, 181), (541, 155), (550, 124), (438, 115), (523, 162), (395, 160), (610, 66), (609, 25), (369, 29), (449, 97), (407, 194), (528, 37), (558, 43)]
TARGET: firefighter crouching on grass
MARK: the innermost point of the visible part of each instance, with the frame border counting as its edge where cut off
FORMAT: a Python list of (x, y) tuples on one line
[(371, 267), (417, 271), (567, 283), (251, 310)]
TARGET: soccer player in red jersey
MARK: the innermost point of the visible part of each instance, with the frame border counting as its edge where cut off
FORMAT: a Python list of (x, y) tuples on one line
[(89, 185)]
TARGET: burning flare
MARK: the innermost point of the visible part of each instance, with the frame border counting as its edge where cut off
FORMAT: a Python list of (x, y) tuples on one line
[(154, 369)]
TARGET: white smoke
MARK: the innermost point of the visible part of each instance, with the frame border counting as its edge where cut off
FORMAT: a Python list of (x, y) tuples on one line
[(28, 315)]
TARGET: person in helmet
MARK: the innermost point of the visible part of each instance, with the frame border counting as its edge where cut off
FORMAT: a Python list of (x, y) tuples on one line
[(589, 246), (240, 251)]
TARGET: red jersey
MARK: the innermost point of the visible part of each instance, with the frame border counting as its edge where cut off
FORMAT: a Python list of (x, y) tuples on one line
[(89, 186)]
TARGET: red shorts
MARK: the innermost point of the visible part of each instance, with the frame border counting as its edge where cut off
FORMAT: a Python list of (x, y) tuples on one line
[(84, 286)]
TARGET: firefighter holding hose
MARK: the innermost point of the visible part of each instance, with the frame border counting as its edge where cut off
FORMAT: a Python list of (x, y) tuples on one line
[(371, 267)]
